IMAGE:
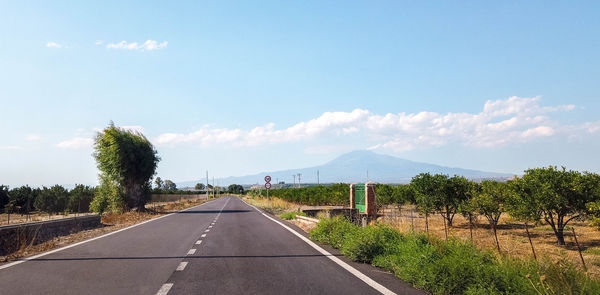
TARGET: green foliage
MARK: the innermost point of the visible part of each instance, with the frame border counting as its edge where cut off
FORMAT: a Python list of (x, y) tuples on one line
[(235, 189), (170, 185), (490, 200), (555, 195), (159, 183), (80, 198), (199, 186), (452, 267), (52, 200), (22, 198), (291, 215), (128, 160), (336, 194), (3, 197), (109, 198)]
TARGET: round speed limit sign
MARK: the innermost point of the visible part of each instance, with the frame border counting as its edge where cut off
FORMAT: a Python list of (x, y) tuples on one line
[(267, 185), (267, 179)]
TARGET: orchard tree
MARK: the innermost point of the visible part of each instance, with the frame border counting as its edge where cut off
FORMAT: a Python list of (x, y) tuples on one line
[(22, 197), (3, 197), (428, 189), (126, 160), (170, 185), (456, 191), (556, 196), (159, 183), (235, 188), (490, 202), (199, 186), (80, 198)]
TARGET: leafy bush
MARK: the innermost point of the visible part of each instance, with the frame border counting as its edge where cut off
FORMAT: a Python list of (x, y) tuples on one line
[(291, 215), (453, 266)]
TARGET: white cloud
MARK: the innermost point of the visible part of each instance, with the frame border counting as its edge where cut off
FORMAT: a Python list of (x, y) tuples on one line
[(98, 42), (76, 143), (501, 122), (54, 45), (148, 45), (33, 137)]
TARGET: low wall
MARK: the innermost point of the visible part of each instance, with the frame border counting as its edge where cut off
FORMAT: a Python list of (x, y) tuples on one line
[(13, 237)]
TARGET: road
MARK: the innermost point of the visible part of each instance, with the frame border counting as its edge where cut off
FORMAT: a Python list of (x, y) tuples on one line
[(221, 247)]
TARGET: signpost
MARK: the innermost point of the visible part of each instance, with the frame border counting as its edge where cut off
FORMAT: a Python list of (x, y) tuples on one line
[(268, 184)]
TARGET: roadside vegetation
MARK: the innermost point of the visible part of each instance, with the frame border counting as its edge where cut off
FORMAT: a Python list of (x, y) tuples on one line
[(453, 266), (336, 194)]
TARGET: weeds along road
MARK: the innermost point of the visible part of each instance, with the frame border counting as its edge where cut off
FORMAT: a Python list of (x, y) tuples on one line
[(221, 247)]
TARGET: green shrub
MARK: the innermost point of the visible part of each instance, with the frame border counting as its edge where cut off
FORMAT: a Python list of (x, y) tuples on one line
[(453, 266)]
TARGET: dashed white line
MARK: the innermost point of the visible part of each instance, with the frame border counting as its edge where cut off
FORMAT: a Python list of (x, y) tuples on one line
[(198, 242), (210, 226), (207, 230), (191, 252), (181, 266), (164, 289), (203, 236)]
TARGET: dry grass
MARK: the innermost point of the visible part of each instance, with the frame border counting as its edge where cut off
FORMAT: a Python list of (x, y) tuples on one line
[(273, 205), (511, 235), (110, 223)]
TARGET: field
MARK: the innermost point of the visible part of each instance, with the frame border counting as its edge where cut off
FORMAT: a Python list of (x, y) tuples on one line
[(511, 235)]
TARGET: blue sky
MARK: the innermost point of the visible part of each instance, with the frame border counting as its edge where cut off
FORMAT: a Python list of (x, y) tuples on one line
[(243, 87)]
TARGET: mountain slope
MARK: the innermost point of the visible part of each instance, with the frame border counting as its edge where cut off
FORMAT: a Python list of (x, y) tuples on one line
[(353, 167)]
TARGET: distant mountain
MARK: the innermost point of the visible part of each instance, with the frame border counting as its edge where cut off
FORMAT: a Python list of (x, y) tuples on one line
[(353, 167)]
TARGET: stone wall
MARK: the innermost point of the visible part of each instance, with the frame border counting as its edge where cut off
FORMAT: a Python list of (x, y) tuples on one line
[(13, 237)]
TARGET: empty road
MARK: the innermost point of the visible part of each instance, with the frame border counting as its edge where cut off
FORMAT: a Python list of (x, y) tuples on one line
[(221, 247)]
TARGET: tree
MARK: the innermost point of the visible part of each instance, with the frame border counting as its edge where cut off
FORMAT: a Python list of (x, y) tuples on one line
[(199, 186), (467, 207), (3, 196), (428, 189), (170, 185), (52, 200), (490, 202), (235, 189), (555, 195), (126, 159), (158, 182), (456, 190), (22, 198), (80, 198)]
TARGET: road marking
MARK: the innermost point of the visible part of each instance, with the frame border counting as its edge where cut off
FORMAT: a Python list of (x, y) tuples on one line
[(375, 285), (207, 230), (96, 238), (210, 226), (191, 252), (198, 242), (203, 236), (181, 266), (164, 289)]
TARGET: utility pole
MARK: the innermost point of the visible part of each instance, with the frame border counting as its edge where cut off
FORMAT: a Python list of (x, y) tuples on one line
[(213, 186), (207, 184), (318, 182), (299, 175), (294, 180)]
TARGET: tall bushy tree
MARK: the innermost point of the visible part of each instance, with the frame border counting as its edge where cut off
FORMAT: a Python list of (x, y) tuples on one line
[(490, 202), (557, 196), (158, 182), (127, 161), (52, 200), (169, 185)]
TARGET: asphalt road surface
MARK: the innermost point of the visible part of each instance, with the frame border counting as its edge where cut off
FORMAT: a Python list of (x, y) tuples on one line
[(221, 247)]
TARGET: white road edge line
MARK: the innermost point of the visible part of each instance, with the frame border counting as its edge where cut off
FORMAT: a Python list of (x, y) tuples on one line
[(203, 236), (164, 289), (375, 285), (181, 266), (93, 239), (198, 242), (191, 252)]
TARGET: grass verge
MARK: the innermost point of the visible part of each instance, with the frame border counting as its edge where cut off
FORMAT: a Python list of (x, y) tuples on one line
[(453, 266)]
